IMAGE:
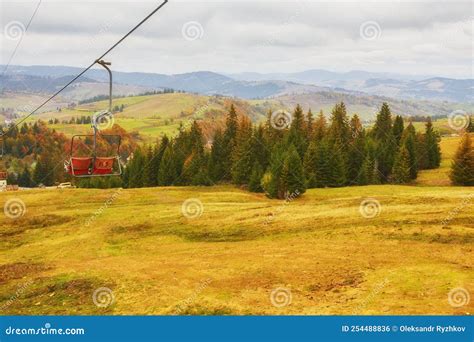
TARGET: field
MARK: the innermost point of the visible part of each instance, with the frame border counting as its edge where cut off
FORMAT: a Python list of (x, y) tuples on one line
[(318, 249)]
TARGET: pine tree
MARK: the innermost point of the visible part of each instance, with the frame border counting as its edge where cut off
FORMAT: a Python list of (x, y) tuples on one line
[(309, 125), (409, 141), (167, 173), (383, 123), (242, 160), (216, 159), (462, 167), (401, 167), (356, 153), (339, 130), (398, 129), (255, 182), (25, 178), (293, 182), (320, 127), (228, 142), (322, 165), (433, 151), (309, 165), (297, 134), (271, 181), (337, 166)]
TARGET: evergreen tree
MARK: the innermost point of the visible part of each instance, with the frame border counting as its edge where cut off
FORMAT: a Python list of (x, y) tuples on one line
[(322, 165), (401, 167), (228, 144), (337, 177), (398, 129), (255, 182), (383, 123), (297, 133), (356, 154), (386, 146), (271, 181), (309, 125), (433, 151), (216, 159), (409, 141), (293, 182), (25, 178), (462, 167), (242, 159), (167, 174), (309, 165), (320, 127)]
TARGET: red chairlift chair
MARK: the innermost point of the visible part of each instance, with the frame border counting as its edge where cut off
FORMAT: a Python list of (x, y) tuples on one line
[(96, 165)]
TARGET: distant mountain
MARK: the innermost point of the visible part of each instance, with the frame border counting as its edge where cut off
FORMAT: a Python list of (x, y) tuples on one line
[(383, 84), (202, 82), (245, 85)]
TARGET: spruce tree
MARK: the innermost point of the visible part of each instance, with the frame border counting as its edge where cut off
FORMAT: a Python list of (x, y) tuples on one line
[(216, 159), (356, 153), (320, 127), (228, 143), (242, 159), (293, 183), (322, 165), (309, 165), (401, 167), (398, 129), (462, 167), (409, 141), (433, 151), (24, 179), (255, 182), (297, 133), (309, 125)]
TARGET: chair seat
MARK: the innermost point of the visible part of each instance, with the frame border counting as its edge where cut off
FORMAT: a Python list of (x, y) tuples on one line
[(103, 165)]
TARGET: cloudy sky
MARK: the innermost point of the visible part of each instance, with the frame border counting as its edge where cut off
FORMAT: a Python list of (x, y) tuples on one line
[(410, 37)]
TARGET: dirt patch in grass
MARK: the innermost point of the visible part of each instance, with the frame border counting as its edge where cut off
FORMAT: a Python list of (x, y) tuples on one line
[(336, 281), (20, 270)]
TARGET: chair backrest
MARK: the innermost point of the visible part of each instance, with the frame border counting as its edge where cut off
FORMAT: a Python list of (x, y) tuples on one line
[(104, 165), (80, 165)]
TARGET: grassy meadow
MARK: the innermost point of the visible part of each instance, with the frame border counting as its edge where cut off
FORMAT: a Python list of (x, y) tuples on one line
[(222, 250)]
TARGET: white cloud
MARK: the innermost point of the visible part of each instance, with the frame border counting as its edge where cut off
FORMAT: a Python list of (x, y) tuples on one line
[(422, 37)]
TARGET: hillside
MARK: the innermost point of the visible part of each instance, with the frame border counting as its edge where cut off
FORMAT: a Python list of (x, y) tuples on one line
[(319, 249)]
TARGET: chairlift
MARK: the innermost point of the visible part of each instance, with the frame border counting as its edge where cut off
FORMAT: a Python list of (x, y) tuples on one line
[(96, 163)]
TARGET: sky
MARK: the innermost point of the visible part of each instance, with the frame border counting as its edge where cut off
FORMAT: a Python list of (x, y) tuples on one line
[(406, 37)]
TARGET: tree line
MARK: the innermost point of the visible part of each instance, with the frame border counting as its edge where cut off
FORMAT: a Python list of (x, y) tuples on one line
[(289, 153)]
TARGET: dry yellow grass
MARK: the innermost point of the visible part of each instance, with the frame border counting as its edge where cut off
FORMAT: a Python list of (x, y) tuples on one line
[(333, 260)]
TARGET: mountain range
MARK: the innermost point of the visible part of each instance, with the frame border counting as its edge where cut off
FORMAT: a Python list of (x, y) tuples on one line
[(251, 85)]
